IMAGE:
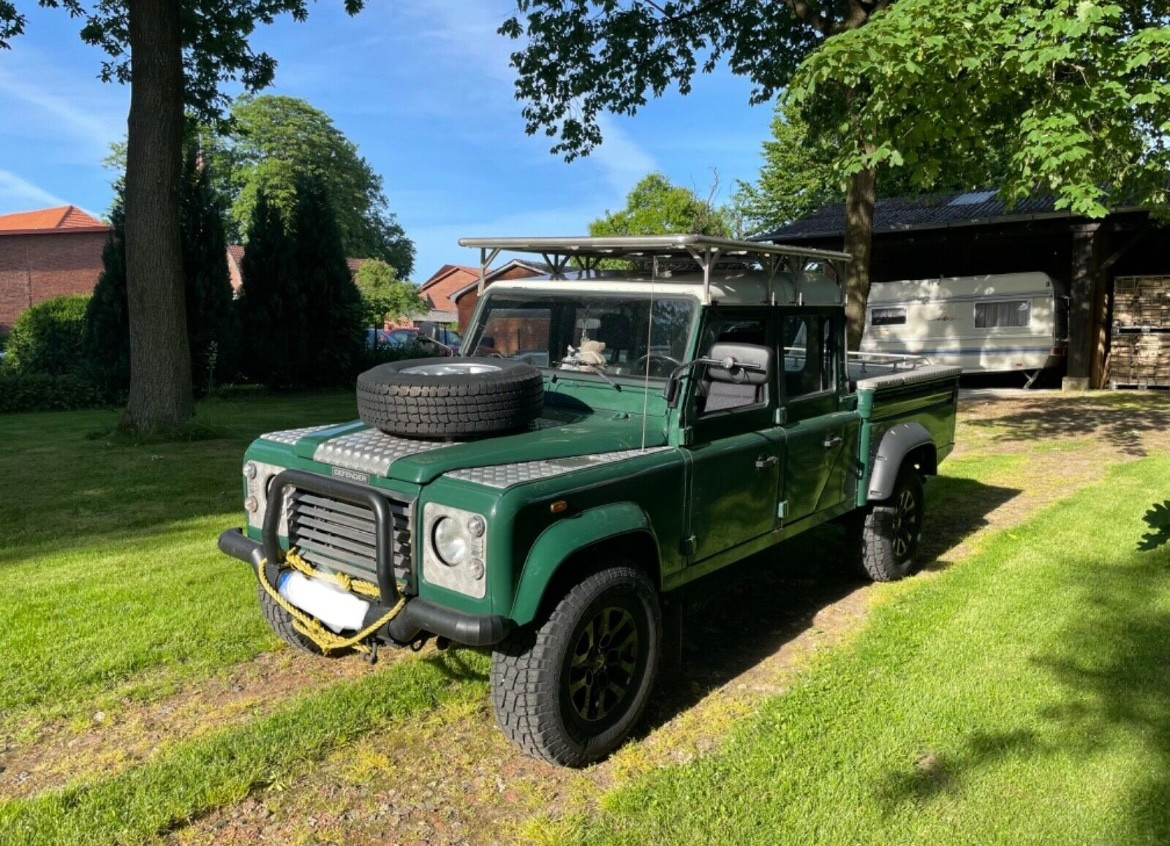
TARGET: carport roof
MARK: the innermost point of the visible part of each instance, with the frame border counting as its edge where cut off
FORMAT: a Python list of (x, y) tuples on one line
[(901, 214)]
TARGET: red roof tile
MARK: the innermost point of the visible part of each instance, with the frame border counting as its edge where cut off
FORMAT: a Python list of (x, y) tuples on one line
[(50, 220)]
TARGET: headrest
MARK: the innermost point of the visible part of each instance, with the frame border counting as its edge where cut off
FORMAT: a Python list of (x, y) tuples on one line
[(751, 354)]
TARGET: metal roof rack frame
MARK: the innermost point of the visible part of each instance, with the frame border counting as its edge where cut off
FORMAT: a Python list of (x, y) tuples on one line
[(705, 250)]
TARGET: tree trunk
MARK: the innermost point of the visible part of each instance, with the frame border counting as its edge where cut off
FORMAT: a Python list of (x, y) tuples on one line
[(859, 202), (160, 361)]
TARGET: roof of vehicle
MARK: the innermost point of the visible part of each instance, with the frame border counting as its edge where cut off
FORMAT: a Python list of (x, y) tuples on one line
[(728, 271), (751, 287)]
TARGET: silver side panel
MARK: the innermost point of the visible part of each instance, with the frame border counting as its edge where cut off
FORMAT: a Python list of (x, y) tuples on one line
[(506, 475), (371, 451), (289, 437)]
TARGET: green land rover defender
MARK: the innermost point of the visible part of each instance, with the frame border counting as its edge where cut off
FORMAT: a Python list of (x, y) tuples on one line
[(651, 411)]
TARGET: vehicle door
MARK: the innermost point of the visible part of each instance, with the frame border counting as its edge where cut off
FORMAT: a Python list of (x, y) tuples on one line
[(816, 428), (734, 450)]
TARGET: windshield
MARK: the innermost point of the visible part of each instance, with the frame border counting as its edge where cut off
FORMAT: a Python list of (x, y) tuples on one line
[(614, 335)]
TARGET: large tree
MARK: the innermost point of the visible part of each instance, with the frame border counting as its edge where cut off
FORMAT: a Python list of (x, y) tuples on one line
[(271, 142), (655, 206), (175, 54), (1068, 97), (584, 57), (803, 170)]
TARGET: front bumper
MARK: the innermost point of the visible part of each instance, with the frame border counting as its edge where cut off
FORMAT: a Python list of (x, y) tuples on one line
[(418, 616)]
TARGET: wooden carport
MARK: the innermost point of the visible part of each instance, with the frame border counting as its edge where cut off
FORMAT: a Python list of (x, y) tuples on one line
[(973, 233)]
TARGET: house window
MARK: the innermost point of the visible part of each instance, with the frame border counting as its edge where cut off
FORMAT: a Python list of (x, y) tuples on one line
[(1007, 313), (887, 317)]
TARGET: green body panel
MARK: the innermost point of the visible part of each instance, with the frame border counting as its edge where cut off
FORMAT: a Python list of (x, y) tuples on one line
[(565, 537)]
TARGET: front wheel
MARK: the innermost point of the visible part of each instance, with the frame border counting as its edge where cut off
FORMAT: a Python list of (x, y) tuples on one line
[(571, 689), (891, 529)]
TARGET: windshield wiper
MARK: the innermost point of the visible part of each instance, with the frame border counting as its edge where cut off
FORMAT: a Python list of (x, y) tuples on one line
[(591, 368)]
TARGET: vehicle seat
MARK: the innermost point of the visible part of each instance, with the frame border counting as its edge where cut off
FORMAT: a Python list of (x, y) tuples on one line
[(736, 387), (618, 334)]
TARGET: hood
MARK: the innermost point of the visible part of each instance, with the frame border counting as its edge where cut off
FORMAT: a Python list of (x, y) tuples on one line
[(360, 449)]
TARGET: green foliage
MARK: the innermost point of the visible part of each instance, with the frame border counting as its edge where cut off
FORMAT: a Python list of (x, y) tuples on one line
[(384, 295), (795, 180), (1158, 521), (47, 338), (45, 392), (656, 207), (302, 311), (212, 324), (212, 329), (334, 334), (106, 337), (273, 311), (1072, 98), (581, 58), (215, 37), (272, 142)]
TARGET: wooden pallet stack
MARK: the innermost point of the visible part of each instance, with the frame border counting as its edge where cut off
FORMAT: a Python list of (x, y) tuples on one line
[(1139, 355)]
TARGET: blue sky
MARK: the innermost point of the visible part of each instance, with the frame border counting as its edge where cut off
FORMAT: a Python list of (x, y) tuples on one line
[(425, 91)]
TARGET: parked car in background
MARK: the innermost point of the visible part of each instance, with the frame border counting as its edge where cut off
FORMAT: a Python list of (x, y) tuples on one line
[(404, 337)]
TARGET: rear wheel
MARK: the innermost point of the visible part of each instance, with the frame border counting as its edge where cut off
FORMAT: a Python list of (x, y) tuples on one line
[(892, 528), (571, 689)]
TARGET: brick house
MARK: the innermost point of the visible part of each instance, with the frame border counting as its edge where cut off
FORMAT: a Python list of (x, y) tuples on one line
[(466, 297), (47, 253)]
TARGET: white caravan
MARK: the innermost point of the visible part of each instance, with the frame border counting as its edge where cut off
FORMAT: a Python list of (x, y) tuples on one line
[(983, 324)]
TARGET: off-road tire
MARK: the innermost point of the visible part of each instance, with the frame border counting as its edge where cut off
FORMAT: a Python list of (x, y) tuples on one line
[(533, 669), (891, 529), (452, 405), (281, 622)]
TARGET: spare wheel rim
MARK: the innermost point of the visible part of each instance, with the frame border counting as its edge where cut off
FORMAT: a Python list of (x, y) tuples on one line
[(455, 368)]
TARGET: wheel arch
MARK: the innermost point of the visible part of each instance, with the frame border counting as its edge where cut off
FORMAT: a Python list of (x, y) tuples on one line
[(901, 443), (575, 547)]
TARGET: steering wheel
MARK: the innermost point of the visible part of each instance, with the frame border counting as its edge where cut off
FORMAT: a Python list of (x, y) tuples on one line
[(660, 365)]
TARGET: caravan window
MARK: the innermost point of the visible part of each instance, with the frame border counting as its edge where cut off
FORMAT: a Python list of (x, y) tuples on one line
[(887, 316), (1008, 313)]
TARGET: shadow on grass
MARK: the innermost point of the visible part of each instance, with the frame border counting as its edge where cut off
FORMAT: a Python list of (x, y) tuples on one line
[(1112, 666), (1121, 423), (63, 485), (737, 618)]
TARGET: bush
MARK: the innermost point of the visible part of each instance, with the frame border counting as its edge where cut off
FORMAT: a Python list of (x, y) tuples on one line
[(43, 392), (48, 337)]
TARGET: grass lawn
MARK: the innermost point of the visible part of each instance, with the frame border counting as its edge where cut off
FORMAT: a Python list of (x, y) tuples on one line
[(1017, 693), (112, 584), (1022, 696)]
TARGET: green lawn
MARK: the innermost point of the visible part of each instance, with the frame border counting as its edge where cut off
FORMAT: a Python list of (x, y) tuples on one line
[(112, 583), (1021, 697)]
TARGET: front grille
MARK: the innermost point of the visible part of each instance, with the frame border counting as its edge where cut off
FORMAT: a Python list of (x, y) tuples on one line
[(340, 536)]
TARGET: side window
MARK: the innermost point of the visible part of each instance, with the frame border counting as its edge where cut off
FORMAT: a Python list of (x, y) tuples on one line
[(717, 390), (809, 354), (1008, 313)]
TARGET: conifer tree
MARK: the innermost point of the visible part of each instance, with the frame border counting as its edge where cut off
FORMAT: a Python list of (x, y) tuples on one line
[(274, 314)]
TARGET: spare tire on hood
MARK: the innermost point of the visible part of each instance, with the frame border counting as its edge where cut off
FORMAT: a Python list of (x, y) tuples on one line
[(450, 397)]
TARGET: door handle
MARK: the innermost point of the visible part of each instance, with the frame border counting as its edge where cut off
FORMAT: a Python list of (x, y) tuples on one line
[(766, 461), (832, 441)]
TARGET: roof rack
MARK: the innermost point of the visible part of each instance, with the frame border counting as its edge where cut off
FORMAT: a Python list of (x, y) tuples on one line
[(587, 253)]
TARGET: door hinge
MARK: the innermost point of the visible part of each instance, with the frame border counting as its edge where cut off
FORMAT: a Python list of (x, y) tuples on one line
[(782, 509), (689, 545)]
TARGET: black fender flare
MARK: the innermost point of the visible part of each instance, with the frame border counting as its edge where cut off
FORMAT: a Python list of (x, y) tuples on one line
[(898, 442)]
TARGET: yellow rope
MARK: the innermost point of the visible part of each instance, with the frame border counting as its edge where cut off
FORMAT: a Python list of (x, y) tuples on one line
[(312, 628)]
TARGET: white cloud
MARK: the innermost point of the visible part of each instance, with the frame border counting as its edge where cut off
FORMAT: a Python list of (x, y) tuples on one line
[(622, 158), (18, 194)]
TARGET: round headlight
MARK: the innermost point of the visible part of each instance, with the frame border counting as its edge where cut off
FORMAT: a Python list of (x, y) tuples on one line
[(449, 541)]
